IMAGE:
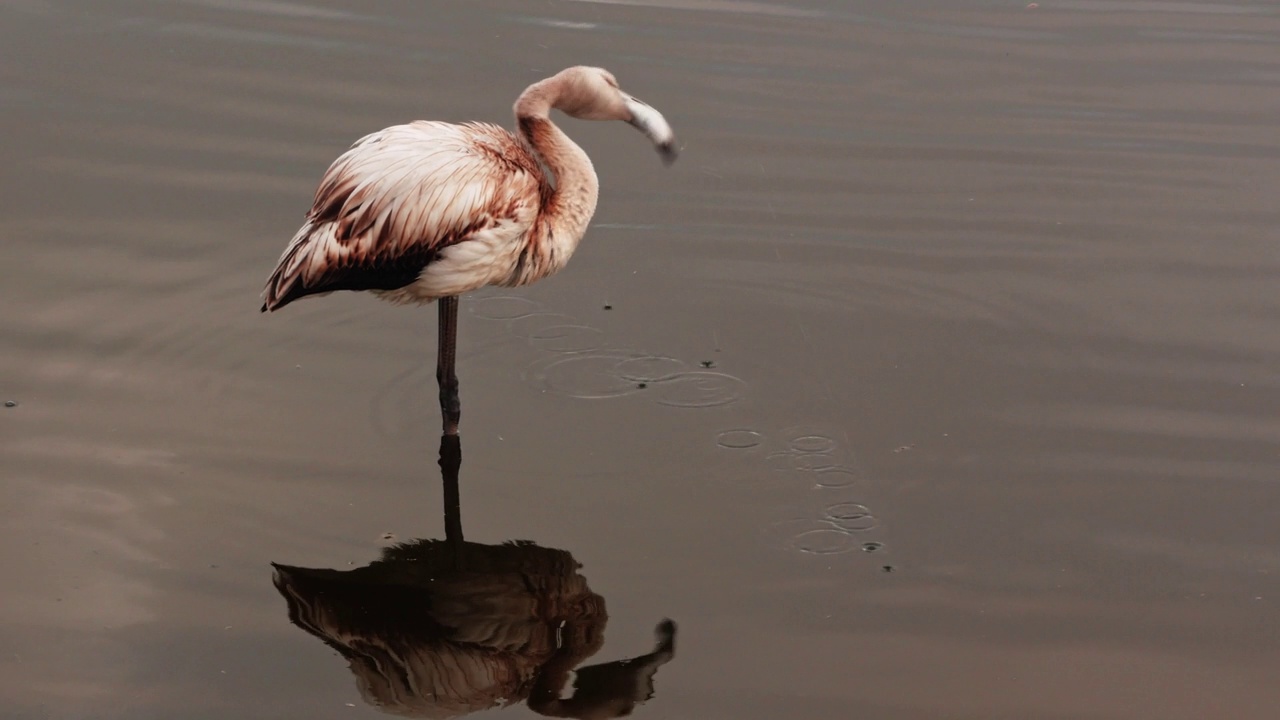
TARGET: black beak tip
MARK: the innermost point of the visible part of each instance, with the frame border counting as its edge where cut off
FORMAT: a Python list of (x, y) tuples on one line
[(669, 152)]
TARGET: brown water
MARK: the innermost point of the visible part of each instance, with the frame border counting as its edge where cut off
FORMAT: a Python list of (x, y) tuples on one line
[(988, 298)]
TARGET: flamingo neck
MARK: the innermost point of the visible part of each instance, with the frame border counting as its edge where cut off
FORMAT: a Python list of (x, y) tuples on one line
[(568, 205)]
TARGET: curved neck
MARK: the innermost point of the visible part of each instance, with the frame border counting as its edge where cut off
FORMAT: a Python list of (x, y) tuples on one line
[(568, 206)]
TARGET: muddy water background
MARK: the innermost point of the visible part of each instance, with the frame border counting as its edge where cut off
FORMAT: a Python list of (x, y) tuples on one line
[(1005, 277)]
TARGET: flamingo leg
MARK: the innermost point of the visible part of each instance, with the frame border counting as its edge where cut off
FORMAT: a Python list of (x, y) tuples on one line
[(450, 461), (446, 376)]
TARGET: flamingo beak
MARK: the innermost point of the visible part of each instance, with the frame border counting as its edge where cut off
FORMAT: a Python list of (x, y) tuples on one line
[(654, 126)]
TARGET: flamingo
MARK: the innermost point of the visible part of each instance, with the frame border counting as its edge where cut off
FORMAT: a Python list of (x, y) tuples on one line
[(430, 210)]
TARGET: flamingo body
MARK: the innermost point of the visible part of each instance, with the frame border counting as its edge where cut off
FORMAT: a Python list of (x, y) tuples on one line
[(431, 210), (422, 211)]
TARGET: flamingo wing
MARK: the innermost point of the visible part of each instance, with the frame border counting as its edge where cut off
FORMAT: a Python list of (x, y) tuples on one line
[(391, 204)]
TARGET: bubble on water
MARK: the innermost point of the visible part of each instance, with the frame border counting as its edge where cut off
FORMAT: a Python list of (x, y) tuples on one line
[(650, 368), (700, 389), (739, 439), (502, 307), (871, 547)]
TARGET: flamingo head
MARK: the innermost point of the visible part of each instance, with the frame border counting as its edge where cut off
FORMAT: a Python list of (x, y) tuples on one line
[(592, 93)]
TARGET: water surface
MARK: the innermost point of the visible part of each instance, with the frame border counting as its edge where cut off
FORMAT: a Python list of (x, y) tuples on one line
[(956, 325)]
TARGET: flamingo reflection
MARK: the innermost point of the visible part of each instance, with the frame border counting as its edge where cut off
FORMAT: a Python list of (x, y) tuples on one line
[(443, 628)]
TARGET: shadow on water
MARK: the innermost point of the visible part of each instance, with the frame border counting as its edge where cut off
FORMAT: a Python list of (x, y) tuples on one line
[(441, 628)]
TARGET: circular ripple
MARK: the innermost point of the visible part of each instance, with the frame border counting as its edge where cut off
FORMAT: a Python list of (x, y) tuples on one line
[(813, 461), (566, 338), (871, 547), (739, 439), (701, 389), (813, 444), (851, 517), (588, 375), (836, 477), (531, 326), (823, 542), (651, 368), (503, 307), (780, 460)]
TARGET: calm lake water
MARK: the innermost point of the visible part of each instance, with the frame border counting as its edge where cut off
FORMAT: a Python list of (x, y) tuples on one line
[(957, 325)]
